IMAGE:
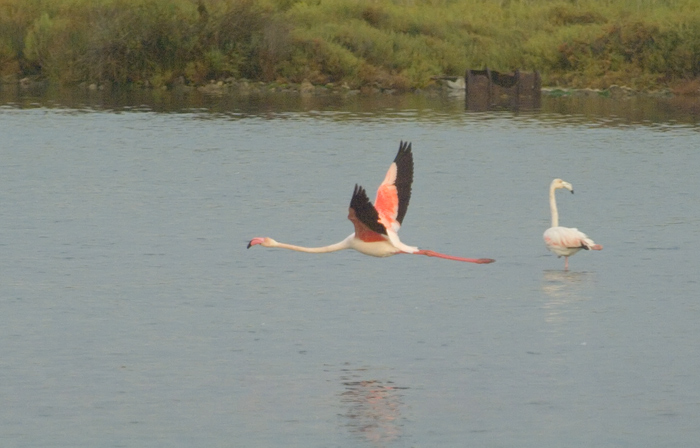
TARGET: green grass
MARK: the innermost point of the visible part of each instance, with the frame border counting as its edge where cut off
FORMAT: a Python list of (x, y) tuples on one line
[(400, 44)]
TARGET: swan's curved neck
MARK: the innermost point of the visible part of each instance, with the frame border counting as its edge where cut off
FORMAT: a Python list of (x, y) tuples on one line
[(553, 207)]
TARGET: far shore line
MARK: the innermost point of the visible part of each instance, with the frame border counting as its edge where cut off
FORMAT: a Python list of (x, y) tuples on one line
[(245, 86)]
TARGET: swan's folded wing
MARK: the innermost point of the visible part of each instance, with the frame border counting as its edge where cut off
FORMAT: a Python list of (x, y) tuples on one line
[(567, 237)]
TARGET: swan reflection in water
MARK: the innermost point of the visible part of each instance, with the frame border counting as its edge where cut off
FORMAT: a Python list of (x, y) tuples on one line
[(373, 407), (564, 289), (565, 284)]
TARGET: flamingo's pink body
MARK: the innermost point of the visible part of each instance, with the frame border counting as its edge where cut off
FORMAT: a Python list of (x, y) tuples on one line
[(565, 241), (376, 226)]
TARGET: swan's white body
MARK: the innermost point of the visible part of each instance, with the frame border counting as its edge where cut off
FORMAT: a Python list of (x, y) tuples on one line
[(565, 241), (377, 226)]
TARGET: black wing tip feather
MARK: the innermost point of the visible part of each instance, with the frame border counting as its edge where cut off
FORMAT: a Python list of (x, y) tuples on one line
[(365, 211), (404, 149), (404, 178)]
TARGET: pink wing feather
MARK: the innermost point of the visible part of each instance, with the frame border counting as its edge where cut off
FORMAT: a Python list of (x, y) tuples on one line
[(394, 193)]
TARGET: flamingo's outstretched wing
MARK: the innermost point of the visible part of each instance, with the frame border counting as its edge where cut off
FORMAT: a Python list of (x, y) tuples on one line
[(365, 217), (394, 193)]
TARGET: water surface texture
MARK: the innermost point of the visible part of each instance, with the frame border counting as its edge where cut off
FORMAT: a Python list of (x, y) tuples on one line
[(131, 313)]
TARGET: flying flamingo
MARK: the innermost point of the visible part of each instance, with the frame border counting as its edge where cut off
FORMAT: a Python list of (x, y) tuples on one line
[(565, 241), (376, 226)]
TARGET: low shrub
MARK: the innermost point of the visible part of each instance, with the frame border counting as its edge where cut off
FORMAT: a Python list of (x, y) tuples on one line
[(383, 43)]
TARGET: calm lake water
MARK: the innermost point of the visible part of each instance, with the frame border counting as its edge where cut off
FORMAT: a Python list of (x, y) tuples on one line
[(131, 313)]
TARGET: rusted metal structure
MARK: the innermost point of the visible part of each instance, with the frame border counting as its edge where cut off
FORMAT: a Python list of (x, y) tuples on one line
[(488, 89)]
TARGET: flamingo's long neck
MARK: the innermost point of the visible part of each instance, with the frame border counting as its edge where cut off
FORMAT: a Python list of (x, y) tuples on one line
[(315, 250), (553, 207)]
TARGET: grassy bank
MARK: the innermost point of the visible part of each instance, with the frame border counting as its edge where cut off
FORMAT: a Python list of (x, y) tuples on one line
[(643, 44)]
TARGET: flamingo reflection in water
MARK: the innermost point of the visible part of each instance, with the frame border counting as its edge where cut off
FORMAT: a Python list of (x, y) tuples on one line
[(373, 408)]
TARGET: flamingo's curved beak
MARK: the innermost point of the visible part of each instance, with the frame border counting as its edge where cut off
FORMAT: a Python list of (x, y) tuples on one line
[(255, 241)]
